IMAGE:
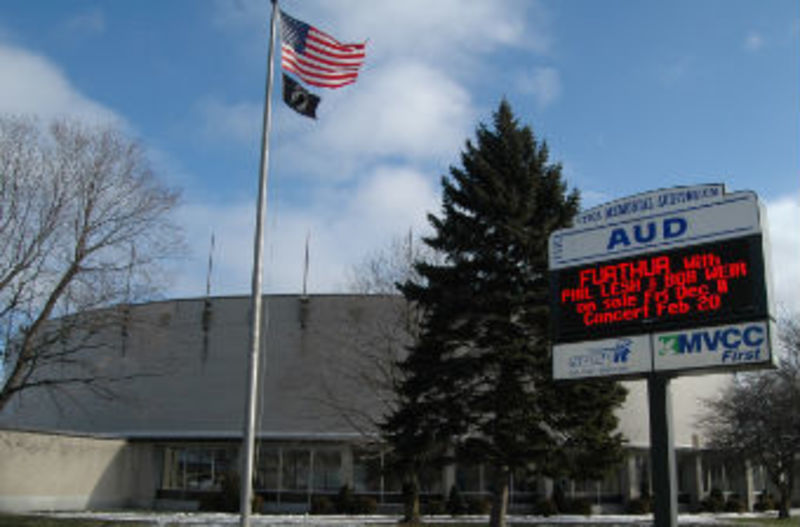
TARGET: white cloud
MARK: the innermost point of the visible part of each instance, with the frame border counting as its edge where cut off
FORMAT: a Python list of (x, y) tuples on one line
[(406, 109), (447, 32), (344, 224), (753, 41), (32, 84), (411, 100), (544, 83), (411, 105), (392, 200), (783, 215), (232, 226), (592, 198), (383, 206)]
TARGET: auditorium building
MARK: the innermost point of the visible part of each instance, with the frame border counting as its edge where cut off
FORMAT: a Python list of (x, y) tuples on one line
[(165, 428)]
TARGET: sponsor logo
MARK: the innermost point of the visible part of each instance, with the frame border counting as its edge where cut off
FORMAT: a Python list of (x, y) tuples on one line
[(733, 344), (603, 356)]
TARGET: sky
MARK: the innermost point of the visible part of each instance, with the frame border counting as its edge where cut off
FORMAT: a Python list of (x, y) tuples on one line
[(629, 95)]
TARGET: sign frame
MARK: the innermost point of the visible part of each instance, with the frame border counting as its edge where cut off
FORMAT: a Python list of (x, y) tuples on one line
[(685, 350), (711, 216)]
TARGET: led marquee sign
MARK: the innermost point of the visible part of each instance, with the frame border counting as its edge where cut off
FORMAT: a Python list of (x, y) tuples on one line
[(673, 280), (679, 288)]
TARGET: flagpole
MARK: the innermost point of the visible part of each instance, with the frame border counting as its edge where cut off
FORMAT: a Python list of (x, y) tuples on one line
[(256, 300)]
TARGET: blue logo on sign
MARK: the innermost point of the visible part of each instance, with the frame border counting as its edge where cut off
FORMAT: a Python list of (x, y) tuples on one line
[(604, 356)]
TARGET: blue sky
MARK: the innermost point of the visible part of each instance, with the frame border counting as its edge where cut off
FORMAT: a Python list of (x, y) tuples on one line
[(630, 96)]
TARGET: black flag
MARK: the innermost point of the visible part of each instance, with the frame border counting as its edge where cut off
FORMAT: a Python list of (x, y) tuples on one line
[(298, 98)]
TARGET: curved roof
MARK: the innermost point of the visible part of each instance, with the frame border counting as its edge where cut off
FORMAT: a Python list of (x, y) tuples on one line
[(187, 362), (324, 366)]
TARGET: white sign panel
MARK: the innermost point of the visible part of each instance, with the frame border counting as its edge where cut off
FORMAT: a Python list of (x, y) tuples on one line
[(658, 201), (734, 345), (602, 358), (735, 215)]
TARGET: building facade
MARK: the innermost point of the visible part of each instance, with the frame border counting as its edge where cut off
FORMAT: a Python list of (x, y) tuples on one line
[(165, 430)]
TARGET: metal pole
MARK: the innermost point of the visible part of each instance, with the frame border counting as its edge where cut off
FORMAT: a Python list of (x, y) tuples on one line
[(256, 317), (662, 452)]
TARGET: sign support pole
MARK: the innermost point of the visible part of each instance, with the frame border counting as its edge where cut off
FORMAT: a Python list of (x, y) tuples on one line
[(662, 451)]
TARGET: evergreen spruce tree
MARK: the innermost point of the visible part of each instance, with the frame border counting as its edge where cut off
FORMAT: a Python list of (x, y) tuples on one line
[(479, 376)]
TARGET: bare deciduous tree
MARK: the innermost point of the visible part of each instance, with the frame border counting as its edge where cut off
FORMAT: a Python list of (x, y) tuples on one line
[(84, 224), (370, 366), (381, 271), (757, 418)]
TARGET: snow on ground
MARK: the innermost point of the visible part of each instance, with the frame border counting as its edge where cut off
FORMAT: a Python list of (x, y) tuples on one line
[(301, 520)]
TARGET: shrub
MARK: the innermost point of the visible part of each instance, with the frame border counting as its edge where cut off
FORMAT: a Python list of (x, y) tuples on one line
[(735, 504), (322, 505), (343, 502), (257, 503), (545, 508), (364, 505), (456, 504), (210, 502), (641, 505), (578, 506), (765, 502), (230, 493), (434, 507), (227, 499), (346, 503), (478, 505), (714, 503), (559, 498)]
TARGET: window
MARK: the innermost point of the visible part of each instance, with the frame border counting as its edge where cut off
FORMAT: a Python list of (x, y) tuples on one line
[(267, 468), (327, 470), (430, 480), (715, 476), (584, 487), (197, 468), (643, 474), (296, 464), (468, 478), (366, 471), (611, 483), (759, 477)]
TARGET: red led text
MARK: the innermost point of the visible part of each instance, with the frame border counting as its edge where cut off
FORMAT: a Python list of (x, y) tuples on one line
[(651, 287)]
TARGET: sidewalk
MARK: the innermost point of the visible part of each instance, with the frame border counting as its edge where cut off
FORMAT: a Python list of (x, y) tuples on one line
[(299, 520)]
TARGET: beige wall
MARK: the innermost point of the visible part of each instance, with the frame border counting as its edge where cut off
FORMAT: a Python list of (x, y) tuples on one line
[(59, 472), (688, 394)]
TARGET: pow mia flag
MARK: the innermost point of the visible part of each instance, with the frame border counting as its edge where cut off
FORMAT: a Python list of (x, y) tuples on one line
[(298, 98)]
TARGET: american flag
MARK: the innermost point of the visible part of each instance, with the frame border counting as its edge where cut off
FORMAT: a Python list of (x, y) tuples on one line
[(316, 57)]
